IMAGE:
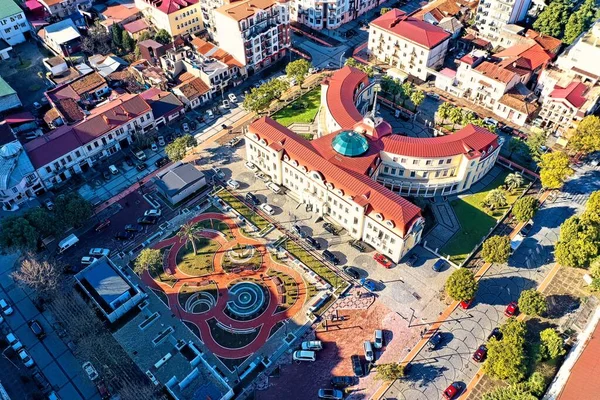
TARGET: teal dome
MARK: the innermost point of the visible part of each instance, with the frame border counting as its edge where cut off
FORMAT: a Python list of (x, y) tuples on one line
[(350, 144)]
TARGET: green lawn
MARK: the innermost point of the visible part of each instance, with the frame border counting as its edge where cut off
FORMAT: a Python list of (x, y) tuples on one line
[(475, 220), (198, 264), (216, 225), (303, 110), (253, 262), (243, 209)]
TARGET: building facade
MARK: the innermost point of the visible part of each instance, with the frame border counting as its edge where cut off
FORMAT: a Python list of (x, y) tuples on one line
[(64, 8), (255, 32), (175, 16), (493, 15), (13, 24), (407, 43), (330, 14)]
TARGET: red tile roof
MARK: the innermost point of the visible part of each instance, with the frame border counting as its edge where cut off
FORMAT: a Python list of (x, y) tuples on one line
[(495, 71), (208, 49), (193, 88), (50, 147), (171, 6), (470, 140), (533, 55), (136, 26), (340, 95), (410, 28), (361, 188), (357, 164), (573, 93)]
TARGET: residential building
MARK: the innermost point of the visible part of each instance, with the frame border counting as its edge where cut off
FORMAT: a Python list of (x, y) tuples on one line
[(13, 24), (55, 65), (193, 92), (208, 7), (366, 209), (8, 97), (175, 16), (165, 106), (136, 28), (434, 12), (107, 64), (64, 8), (5, 50), (330, 14), (180, 181), (493, 15), (530, 57), (407, 43), (63, 37), (147, 74), (255, 32), (236, 72), (152, 51), (513, 35), (119, 13), (580, 59), (18, 180)]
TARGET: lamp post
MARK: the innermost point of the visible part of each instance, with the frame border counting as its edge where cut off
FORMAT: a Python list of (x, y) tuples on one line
[(340, 63)]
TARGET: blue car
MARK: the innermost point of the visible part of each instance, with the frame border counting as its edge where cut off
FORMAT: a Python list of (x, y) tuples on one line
[(369, 284), (439, 265)]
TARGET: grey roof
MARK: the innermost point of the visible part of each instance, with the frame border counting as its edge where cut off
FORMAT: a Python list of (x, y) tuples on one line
[(164, 105), (63, 31), (450, 24), (179, 178), (105, 281)]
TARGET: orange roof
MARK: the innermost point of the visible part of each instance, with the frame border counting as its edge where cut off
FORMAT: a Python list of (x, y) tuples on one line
[(340, 95), (208, 49), (495, 72), (445, 8), (241, 10), (193, 88), (362, 189), (119, 12), (533, 55), (549, 43), (50, 3)]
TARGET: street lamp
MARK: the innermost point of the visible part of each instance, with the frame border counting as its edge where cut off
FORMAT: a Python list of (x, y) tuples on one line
[(341, 57)]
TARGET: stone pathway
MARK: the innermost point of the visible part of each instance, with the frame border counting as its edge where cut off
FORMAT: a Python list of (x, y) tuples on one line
[(447, 224)]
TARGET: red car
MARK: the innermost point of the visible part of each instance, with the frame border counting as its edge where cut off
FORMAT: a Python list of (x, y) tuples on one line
[(480, 353), (512, 309), (466, 304), (383, 260), (452, 391)]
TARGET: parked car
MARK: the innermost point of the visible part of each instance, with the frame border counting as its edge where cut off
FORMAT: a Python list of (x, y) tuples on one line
[(49, 204), (480, 353), (140, 155), (250, 166), (232, 98), (368, 349), (378, 339), (161, 141), (357, 367), (512, 309), (332, 394), (125, 235), (330, 228), (26, 358), (262, 176), (495, 333), (490, 121), (439, 265), (209, 115), (313, 242), (129, 161), (434, 341), (154, 147), (5, 307), (251, 198), (185, 127), (225, 103), (526, 228), (368, 284), (357, 245), (233, 184), (106, 175), (298, 231), (313, 345), (141, 166), (383, 260), (465, 304), (304, 355), (87, 260), (147, 220), (90, 370), (452, 391), (218, 172), (133, 228), (99, 252), (412, 260), (102, 225), (224, 126), (267, 208), (329, 256), (342, 381), (36, 328), (161, 162), (14, 342), (351, 272), (274, 188), (153, 212)]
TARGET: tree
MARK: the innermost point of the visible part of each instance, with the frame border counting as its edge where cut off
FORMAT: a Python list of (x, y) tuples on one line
[(297, 70), (524, 209), (514, 392), (536, 384), (72, 210), (573, 28), (552, 345), (127, 42), (578, 243), (555, 169), (188, 234), (40, 276), (444, 110), (417, 97), (43, 221), (496, 249), (177, 149), (495, 198), (97, 41), (276, 87), (592, 208), (533, 303), (506, 358), (389, 372), (535, 143), (553, 18), (352, 62), (148, 259), (586, 138), (256, 101), (455, 116), (595, 274), (513, 181), (384, 10), (117, 34), (514, 145), (461, 285), (163, 37), (407, 90), (17, 234)]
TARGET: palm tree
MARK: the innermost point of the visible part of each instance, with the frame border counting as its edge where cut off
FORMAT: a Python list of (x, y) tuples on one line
[(188, 233), (468, 118), (513, 145), (495, 198), (444, 110), (417, 97), (407, 89), (455, 116), (513, 181)]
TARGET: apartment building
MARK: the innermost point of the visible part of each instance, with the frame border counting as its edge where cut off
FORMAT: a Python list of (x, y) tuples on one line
[(207, 8), (13, 24), (175, 16), (254, 32), (407, 43), (192, 92), (493, 15), (64, 8), (329, 14), (581, 58)]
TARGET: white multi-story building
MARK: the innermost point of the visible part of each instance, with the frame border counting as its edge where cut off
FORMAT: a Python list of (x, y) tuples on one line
[(13, 24), (330, 14), (208, 8), (64, 8), (175, 16), (582, 57), (493, 15), (407, 43), (254, 32)]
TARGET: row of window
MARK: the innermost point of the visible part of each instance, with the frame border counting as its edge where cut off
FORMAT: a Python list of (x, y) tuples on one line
[(186, 23), (186, 14), (418, 161), (422, 174), (12, 19), (16, 28)]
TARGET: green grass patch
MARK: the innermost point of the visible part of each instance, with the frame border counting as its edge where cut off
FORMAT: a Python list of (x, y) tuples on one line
[(198, 264), (24, 64), (243, 209), (254, 262), (187, 291), (290, 295), (316, 266), (158, 273), (216, 225), (302, 110)]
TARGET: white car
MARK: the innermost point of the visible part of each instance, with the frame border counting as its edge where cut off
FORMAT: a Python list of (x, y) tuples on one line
[(250, 166), (87, 260), (186, 127), (161, 141), (233, 184), (304, 355), (267, 208), (99, 252), (154, 147), (209, 115), (5, 307), (225, 103), (275, 188), (218, 172), (90, 370), (27, 360), (262, 176), (232, 98), (154, 212), (13, 342)]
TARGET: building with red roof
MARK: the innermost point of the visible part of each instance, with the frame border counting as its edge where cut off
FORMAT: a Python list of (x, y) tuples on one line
[(177, 17), (408, 43)]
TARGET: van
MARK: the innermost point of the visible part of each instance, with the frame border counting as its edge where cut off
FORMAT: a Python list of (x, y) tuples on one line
[(113, 170), (67, 242), (304, 355), (369, 356), (274, 187), (140, 155), (312, 345), (378, 339), (329, 256)]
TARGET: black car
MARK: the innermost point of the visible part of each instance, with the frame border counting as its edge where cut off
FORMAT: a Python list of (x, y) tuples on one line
[(357, 245), (310, 240), (125, 235), (106, 175), (102, 225), (341, 382), (330, 228), (506, 129), (329, 256), (251, 198), (129, 161), (224, 126), (434, 341), (141, 166), (36, 328), (351, 272), (147, 220), (495, 333), (357, 366), (298, 231), (161, 162), (133, 228), (412, 260)]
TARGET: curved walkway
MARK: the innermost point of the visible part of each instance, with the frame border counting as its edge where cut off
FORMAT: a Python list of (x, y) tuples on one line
[(266, 321)]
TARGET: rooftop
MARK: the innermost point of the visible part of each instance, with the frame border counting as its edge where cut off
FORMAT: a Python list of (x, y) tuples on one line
[(5, 89), (350, 143), (533, 55), (44, 150), (136, 26), (178, 178), (171, 6), (495, 72), (119, 12), (341, 91), (62, 32), (240, 10), (445, 8), (519, 98), (193, 88), (8, 8), (411, 28), (574, 93), (162, 103), (210, 50), (14, 163)]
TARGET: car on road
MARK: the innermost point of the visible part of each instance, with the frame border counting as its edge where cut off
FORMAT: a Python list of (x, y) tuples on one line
[(5, 307), (232, 98), (313, 242), (185, 127), (298, 231), (378, 339), (267, 208), (439, 265), (87, 260), (412, 260), (36, 328), (313, 345), (262, 176), (161, 141), (512, 309), (161, 162), (233, 184), (330, 228), (226, 103), (250, 166), (133, 228), (153, 212), (342, 382), (434, 341), (357, 366), (26, 358), (383, 260), (90, 371), (495, 333), (102, 225), (368, 284), (351, 272), (218, 172), (124, 235), (433, 95), (480, 354), (452, 391), (356, 244), (304, 355), (147, 220), (251, 198), (99, 252), (331, 394), (141, 166), (14, 342)]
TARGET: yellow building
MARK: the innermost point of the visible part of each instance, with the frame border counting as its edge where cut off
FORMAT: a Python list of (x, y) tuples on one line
[(175, 16)]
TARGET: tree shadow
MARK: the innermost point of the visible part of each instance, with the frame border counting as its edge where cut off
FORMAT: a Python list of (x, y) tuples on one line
[(423, 372), (560, 305), (552, 217), (501, 290)]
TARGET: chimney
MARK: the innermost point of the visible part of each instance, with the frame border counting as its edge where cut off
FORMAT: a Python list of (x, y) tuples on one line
[(105, 118)]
